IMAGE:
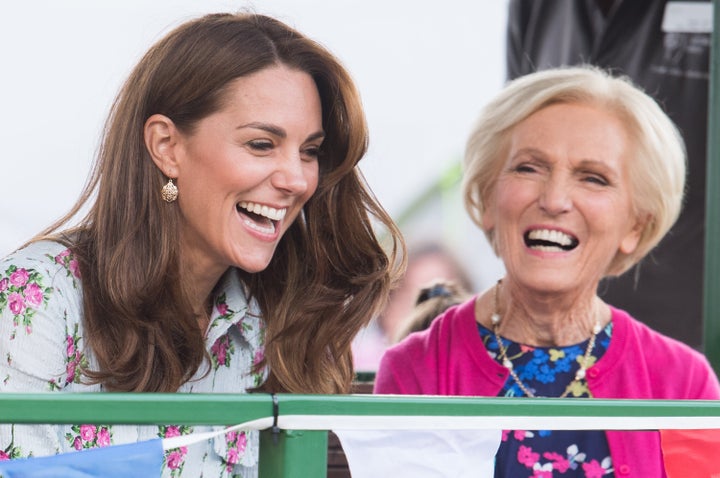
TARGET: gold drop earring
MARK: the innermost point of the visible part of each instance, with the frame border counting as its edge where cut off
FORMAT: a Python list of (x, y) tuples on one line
[(169, 191)]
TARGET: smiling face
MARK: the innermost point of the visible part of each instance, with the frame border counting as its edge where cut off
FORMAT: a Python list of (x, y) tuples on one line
[(245, 172), (561, 208)]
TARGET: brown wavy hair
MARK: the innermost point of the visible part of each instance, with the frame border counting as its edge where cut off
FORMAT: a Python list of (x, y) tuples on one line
[(330, 273)]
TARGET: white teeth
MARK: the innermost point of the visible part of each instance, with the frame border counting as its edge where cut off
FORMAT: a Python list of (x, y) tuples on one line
[(546, 248), (550, 236), (265, 211), (269, 229)]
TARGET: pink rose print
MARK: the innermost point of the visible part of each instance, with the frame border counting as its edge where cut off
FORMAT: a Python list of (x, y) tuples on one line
[(259, 356), (60, 258), (174, 460), (232, 458), (87, 432), (19, 278), (22, 292), (593, 469), (519, 435), (172, 431), (89, 436), (526, 456), (17, 303), (74, 268), (103, 437), (225, 313), (236, 444), (75, 359), (70, 346), (222, 308), (221, 352), (70, 370), (33, 295), (68, 261), (11, 452)]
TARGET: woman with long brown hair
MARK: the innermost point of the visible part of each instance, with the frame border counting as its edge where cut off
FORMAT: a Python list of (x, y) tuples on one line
[(228, 242)]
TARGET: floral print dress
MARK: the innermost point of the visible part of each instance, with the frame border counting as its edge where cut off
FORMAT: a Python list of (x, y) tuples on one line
[(41, 309), (546, 372)]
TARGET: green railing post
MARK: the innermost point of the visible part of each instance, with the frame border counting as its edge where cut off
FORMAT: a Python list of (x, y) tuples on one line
[(711, 288), (293, 454)]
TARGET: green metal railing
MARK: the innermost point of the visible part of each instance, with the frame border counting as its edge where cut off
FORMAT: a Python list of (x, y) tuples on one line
[(303, 453)]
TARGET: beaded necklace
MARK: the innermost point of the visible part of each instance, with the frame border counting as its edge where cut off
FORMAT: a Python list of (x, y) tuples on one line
[(579, 375)]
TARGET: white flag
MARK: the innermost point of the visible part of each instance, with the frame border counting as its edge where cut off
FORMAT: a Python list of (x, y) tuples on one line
[(419, 453)]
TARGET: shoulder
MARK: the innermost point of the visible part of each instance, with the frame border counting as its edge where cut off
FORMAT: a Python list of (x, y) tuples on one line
[(445, 340), (635, 333), (42, 278), (657, 357), (40, 310), (46, 258)]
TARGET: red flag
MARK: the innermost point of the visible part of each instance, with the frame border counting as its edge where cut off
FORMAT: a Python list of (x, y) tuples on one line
[(691, 453)]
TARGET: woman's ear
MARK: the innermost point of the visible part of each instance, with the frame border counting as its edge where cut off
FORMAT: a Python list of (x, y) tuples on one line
[(631, 240), (488, 213), (161, 140)]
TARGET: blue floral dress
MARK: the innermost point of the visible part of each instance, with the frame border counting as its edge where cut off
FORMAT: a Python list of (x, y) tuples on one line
[(41, 309), (546, 372)]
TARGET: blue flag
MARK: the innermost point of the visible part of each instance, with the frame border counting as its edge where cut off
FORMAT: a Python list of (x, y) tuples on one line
[(142, 460)]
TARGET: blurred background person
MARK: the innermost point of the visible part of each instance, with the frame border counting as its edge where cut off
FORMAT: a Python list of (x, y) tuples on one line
[(432, 300), (426, 263)]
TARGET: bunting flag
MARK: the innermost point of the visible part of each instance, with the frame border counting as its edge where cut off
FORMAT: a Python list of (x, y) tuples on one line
[(691, 453), (141, 460), (138, 460), (420, 453), (397, 445)]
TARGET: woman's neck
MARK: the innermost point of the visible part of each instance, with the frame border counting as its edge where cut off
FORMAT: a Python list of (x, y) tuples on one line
[(200, 287), (542, 320)]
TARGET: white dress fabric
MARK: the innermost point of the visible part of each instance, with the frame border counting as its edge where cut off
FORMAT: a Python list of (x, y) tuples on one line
[(42, 350)]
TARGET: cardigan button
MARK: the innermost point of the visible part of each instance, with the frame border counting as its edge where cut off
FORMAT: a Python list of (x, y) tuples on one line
[(593, 372), (624, 469)]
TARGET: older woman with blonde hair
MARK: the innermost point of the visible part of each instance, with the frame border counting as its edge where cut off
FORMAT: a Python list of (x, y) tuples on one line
[(574, 176)]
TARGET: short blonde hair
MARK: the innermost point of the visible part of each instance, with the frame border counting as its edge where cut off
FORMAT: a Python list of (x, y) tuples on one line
[(657, 174)]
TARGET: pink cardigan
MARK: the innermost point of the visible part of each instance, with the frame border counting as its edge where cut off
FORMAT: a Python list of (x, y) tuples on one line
[(449, 358)]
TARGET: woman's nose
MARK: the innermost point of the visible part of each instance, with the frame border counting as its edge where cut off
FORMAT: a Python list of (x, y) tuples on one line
[(291, 175), (555, 197)]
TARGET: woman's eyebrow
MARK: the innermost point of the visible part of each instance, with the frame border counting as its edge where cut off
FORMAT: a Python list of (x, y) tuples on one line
[(270, 128), (278, 131)]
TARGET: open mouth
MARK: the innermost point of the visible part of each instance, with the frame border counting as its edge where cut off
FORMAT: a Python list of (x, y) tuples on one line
[(550, 240), (260, 217)]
